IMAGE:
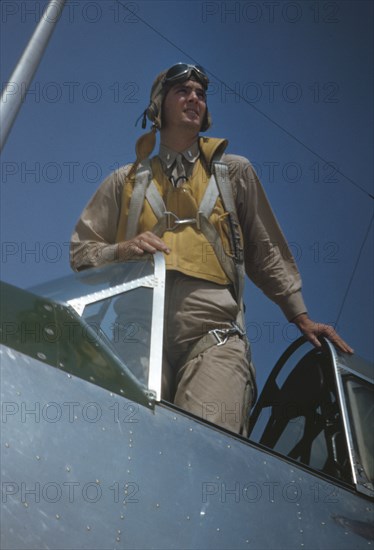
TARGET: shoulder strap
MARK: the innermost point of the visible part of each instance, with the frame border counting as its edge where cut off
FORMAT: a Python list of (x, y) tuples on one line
[(221, 171), (210, 197), (143, 175), (155, 200), (226, 191)]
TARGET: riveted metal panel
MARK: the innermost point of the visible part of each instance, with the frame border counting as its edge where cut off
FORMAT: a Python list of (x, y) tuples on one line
[(55, 334), (84, 468)]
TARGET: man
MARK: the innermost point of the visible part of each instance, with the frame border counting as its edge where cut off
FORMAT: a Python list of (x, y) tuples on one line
[(207, 212)]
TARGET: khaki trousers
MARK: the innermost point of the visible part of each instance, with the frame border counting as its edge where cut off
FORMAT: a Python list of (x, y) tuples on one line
[(217, 385)]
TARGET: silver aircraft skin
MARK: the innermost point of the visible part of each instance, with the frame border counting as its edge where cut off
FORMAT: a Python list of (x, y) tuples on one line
[(91, 457)]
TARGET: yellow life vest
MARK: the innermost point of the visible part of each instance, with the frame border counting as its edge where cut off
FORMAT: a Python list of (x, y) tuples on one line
[(194, 252)]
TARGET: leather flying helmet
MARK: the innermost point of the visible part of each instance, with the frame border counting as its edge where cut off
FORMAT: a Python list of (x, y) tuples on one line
[(164, 81)]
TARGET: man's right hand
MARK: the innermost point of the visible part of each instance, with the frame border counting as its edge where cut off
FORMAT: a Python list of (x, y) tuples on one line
[(146, 242)]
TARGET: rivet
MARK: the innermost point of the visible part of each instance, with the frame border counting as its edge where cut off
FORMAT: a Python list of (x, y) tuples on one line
[(57, 516), (41, 355), (88, 528), (122, 516), (157, 505), (68, 468), (49, 331), (7, 445), (25, 504), (37, 457)]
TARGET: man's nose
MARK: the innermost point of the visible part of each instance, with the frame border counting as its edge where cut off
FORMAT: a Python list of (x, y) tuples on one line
[(192, 96)]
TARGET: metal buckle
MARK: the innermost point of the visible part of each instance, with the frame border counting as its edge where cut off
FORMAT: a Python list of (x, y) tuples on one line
[(237, 328), (198, 220), (226, 332), (217, 334), (172, 221)]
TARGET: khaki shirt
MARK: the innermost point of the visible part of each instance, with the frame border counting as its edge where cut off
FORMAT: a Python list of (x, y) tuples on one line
[(268, 260)]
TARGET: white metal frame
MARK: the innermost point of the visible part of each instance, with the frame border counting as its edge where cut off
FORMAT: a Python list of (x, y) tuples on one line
[(360, 480), (157, 282)]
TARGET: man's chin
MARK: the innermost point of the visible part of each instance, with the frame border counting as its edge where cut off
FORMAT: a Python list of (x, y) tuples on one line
[(193, 123)]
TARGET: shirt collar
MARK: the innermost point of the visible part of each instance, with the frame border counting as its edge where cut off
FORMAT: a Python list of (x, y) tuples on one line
[(168, 156)]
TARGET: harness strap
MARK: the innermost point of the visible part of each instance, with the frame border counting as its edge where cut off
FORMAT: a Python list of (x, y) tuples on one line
[(215, 241), (168, 221), (218, 337), (137, 198), (155, 200), (219, 185), (225, 189), (209, 199), (214, 337)]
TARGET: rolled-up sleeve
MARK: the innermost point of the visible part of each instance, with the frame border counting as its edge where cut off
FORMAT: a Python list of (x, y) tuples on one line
[(269, 262), (93, 242)]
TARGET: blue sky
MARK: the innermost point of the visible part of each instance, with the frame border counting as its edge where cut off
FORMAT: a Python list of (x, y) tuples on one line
[(302, 113)]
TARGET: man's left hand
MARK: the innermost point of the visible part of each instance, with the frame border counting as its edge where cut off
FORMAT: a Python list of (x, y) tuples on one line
[(312, 331)]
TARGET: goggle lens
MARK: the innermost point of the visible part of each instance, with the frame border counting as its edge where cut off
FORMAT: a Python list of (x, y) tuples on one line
[(182, 71)]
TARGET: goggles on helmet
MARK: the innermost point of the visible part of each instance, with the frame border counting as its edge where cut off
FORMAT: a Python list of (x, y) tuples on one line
[(183, 71)]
